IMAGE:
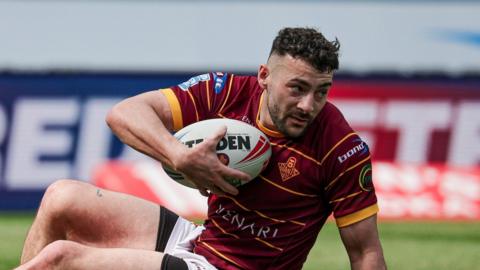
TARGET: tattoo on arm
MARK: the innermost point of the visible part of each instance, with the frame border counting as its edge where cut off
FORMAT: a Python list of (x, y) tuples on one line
[(99, 193)]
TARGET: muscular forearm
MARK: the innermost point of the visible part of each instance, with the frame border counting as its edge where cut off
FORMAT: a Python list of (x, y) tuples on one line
[(141, 127), (368, 261), (363, 244)]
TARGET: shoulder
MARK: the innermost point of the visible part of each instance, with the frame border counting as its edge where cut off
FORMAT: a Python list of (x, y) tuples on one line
[(334, 125), (218, 85), (220, 80), (333, 116), (336, 137), (244, 82), (235, 88)]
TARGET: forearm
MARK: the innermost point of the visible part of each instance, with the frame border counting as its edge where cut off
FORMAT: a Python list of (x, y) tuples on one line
[(363, 244), (141, 127), (368, 261)]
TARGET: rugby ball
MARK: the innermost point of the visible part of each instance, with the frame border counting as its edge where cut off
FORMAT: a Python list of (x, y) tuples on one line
[(243, 147)]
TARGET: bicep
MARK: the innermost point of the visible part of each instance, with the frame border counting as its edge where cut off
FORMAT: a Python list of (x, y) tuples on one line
[(152, 104), (159, 103)]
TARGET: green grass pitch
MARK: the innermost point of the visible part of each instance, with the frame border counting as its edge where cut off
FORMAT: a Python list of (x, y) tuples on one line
[(407, 245)]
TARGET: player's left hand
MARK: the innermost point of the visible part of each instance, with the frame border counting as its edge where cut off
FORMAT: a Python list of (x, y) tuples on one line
[(201, 166)]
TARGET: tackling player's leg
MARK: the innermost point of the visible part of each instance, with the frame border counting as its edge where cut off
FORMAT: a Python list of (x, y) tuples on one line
[(70, 255), (80, 212)]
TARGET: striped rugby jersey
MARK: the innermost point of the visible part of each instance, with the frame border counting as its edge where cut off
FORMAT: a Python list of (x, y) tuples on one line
[(274, 220)]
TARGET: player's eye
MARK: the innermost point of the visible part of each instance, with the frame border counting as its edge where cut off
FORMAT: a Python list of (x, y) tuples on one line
[(319, 95), (297, 89)]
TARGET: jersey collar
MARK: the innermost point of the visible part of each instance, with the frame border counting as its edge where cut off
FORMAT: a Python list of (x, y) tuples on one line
[(269, 132)]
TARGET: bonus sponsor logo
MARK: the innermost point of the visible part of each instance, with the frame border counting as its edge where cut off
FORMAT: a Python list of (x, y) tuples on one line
[(360, 148)]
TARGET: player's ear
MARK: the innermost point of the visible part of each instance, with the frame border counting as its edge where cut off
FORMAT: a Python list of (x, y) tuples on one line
[(262, 75)]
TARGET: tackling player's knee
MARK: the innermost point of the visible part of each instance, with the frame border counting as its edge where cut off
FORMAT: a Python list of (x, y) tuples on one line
[(60, 195), (55, 254)]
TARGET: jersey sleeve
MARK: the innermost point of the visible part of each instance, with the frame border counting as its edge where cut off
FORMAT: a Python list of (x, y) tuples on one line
[(349, 188), (199, 98)]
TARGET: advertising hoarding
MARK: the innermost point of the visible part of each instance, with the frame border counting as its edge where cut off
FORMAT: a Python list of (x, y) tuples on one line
[(52, 126)]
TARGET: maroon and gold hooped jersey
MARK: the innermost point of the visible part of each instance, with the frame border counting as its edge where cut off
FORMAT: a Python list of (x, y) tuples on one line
[(274, 220)]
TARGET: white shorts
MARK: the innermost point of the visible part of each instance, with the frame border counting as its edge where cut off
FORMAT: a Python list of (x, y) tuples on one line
[(180, 245)]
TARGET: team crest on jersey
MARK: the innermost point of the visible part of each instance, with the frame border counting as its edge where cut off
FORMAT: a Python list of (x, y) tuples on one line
[(365, 178), (287, 169), (193, 81), (219, 79)]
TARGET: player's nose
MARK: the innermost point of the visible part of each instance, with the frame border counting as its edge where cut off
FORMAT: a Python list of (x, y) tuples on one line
[(306, 103)]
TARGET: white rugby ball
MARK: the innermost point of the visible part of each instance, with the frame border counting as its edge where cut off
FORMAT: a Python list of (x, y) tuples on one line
[(243, 147)]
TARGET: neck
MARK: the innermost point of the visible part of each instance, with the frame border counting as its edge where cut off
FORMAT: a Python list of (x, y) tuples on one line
[(264, 116), (264, 121)]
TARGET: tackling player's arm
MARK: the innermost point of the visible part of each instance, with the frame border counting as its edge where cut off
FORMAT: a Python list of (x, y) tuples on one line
[(144, 122), (363, 244)]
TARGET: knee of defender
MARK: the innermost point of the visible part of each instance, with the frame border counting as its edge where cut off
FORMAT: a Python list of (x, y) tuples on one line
[(57, 255), (60, 196)]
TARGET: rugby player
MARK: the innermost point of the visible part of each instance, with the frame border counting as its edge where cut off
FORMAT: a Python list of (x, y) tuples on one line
[(319, 166)]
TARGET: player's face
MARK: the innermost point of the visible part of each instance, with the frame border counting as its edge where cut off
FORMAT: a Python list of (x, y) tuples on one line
[(295, 93)]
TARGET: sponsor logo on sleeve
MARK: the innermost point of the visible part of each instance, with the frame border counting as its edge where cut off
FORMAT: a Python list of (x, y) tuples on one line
[(361, 148), (220, 79), (193, 81), (365, 178)]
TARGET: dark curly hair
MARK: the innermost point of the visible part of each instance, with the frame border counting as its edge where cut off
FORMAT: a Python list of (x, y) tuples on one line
[(309, 45)]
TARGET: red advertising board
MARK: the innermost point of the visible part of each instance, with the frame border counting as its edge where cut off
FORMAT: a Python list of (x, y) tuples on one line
[(415, 121), (427, 191), (403, 191)]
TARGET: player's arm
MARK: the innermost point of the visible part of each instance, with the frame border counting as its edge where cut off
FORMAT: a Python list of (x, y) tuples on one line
[(351, 195), (363, 244), (135, 121), (144, 122)]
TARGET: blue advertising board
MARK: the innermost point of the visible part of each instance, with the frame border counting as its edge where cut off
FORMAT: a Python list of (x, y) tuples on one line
[(52, 126)]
